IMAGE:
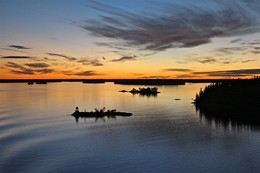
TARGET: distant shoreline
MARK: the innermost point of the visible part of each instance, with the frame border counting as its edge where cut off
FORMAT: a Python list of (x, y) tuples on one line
[(125, 81)]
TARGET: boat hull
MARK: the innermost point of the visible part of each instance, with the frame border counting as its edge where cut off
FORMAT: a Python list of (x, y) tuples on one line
[(100, 114)]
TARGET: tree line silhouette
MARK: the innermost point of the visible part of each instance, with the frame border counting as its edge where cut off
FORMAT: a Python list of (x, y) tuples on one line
[(236, 100)]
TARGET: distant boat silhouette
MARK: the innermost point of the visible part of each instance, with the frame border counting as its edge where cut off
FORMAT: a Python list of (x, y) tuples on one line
[(30, 83)]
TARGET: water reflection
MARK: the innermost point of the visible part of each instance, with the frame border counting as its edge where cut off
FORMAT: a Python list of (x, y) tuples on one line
[(36, 129), (234, 120), (104, 119), (145, 94)]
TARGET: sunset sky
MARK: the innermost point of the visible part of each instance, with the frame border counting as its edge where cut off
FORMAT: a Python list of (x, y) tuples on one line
[(104, 39)]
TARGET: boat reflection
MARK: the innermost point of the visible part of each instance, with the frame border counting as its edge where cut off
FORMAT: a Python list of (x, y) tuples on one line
[(104, 119)]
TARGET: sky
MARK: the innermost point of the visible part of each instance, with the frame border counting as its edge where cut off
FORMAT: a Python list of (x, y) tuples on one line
[(132, 39)]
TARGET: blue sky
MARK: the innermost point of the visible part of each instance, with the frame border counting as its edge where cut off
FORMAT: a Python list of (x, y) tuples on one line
[(136, 39)]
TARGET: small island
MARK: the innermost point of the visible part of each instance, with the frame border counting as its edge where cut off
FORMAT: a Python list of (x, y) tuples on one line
[(100, 113), (236, 101), (144, 91)]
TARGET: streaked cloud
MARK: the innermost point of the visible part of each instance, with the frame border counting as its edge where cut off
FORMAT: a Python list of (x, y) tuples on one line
[(77, 72), (63, 56), (178, 69), (155, 77), (18, 47), (187, 76), (87, 73), (16, 57), (84, 61), (236, 40), (37, 65), (249, 60), (112, 45), (125, 58), (231, 50), (92, 62), (255, 51), (20, 69), (207, 60), (178, 26), (13, 50), (253, 42), (230, 73)]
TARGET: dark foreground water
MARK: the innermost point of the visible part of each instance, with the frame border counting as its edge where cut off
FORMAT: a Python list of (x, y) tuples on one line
[(163, 135)]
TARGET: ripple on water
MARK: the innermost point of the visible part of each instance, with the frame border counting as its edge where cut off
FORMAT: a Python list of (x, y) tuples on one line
[(163, 135)]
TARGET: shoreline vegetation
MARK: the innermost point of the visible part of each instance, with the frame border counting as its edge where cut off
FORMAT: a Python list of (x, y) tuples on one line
[(97, 81), (123, 81), (236, 101)]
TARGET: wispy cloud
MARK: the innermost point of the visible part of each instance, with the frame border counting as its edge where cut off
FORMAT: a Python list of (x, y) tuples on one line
[(155, 77), (125, 58), (18, 47), (13, 50), (230, 50), (255, 51), (84, 61), (207, 60), (76, 72), (92, 62), (20, 69), (178, 69), (63, 56), (37, 65), (178, 26), (87, 73), (48, 59), (182, 76), (16, 57), (111, 45), (199, 59), (249, 60), (236, 40), (230, 73), (253, 42)]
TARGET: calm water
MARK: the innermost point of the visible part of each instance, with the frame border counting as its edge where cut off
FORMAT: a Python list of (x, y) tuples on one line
[(163, 135)]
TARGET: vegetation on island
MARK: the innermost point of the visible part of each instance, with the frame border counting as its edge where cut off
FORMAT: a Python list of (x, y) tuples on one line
[(144, 91), (236, 100)]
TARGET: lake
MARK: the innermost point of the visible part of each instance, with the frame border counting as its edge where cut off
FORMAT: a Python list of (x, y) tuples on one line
[(37, 133)]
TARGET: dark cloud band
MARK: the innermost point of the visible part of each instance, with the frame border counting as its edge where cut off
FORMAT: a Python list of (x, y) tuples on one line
[(18, 47), (37, 65), (178, 26), (63, 56), (125, 58), (38, 68), (226, 73), (16, 57)]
